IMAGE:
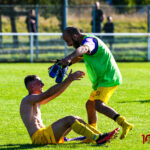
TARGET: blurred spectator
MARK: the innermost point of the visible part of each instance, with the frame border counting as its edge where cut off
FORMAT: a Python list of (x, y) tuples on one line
[(99, 17), (109, 28), (31, 22)]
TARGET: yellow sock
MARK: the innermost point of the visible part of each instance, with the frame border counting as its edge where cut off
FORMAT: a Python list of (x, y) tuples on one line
[(94, 125), (90, 126), (126, 127), (120, 120), (83, 130)]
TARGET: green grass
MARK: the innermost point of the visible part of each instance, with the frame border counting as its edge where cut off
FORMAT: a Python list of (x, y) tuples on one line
[(131, 100)]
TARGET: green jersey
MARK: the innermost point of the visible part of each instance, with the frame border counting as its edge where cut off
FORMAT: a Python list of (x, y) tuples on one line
[(100, 64)]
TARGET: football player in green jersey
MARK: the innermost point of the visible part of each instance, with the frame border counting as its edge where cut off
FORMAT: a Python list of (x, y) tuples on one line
[(103, 73)]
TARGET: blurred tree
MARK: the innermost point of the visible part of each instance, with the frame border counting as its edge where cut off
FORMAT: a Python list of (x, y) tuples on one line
[(130, 2), (56, 8), (8, 10), (81, 2), (122, 2), (126, 5)]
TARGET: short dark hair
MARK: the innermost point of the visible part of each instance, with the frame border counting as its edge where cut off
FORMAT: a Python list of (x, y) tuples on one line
[(72, 30), (29, 79)]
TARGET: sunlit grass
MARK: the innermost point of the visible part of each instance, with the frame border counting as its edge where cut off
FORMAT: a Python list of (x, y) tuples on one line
[(131, 100)]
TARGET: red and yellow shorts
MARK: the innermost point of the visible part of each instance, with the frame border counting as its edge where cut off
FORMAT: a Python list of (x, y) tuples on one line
[(44, 136), (103, 94)]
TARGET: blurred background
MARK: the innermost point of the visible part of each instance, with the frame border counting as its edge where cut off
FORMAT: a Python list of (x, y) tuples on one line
[(30, 30)]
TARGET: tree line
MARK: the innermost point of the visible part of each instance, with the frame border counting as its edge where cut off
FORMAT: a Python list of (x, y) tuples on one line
[(74, 2)]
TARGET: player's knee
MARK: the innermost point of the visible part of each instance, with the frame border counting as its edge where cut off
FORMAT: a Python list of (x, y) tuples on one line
[(87, 104), (77, 118), (71, 119), (99, 104), (90, 104)]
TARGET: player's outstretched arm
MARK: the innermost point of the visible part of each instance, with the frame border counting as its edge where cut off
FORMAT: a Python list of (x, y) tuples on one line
[(75, 60), (75, 55), (57, 89)]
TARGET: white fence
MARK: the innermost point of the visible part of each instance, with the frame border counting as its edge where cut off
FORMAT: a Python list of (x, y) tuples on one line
[(44, 46)]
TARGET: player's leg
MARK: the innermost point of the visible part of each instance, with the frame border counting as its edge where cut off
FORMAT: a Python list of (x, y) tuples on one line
[(82, 129), (78, 125), (92, 116), (91, 111), (62, 127), (101, 98), (101, 107), (92, 119)]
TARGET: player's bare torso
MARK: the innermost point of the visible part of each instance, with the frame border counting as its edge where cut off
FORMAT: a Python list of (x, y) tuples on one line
[(31, 115)]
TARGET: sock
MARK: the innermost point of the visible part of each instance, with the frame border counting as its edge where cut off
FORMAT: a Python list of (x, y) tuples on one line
[(126, 127), (120, 120), (94, 125), (93, 128), (84, 130)]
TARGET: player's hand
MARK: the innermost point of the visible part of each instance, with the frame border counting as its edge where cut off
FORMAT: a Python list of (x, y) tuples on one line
[(76, 75), (52, 61), (50, 67)]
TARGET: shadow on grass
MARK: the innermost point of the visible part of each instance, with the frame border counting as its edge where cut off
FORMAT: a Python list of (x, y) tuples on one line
[(136, 101), (18, 146), (30, 146)]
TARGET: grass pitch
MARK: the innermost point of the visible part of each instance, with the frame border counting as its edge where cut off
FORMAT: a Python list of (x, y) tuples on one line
[(131, 99)]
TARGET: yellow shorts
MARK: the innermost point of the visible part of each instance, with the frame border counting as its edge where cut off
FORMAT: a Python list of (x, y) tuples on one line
[(45, 136), (103, 94)]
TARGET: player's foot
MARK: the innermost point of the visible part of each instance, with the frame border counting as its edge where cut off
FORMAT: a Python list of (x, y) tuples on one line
[(106, 137), (126, 127)]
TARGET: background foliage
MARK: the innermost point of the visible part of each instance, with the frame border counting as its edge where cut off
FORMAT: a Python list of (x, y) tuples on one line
[(76, 2)]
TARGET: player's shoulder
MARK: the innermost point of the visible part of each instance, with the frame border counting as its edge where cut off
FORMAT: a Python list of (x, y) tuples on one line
[(26, 99), (88, 39)]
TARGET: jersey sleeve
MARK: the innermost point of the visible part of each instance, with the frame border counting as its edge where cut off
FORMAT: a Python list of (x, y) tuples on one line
[(91, 43)]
